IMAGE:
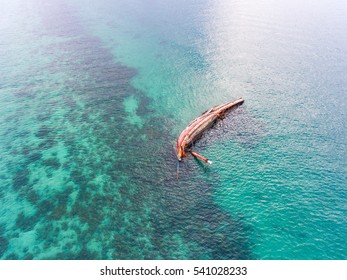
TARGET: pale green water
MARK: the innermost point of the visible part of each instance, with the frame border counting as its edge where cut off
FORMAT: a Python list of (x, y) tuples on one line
[(93, 96)]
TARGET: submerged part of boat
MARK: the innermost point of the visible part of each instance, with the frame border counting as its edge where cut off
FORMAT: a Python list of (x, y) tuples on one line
[(198, 126)]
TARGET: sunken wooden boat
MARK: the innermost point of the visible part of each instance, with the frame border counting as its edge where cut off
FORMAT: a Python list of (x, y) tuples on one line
[(198, 126)]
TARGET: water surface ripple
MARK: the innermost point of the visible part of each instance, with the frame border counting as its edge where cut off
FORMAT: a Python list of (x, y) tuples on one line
[(93, 95)]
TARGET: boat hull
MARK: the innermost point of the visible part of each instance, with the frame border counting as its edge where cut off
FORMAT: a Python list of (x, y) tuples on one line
[(198, 126)]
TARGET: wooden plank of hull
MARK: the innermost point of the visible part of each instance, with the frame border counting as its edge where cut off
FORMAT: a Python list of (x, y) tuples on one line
[(195, 129)]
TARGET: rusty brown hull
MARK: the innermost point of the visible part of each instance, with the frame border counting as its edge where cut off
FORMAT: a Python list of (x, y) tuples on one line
[(198, 126)]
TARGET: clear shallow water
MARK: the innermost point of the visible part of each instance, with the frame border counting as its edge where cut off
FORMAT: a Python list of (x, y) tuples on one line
[(93, 96)]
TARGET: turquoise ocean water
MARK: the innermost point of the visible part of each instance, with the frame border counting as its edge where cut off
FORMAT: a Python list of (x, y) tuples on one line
[(93, 96)]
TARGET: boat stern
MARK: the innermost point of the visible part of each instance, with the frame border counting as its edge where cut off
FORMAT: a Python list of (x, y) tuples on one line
[(180, 153)]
